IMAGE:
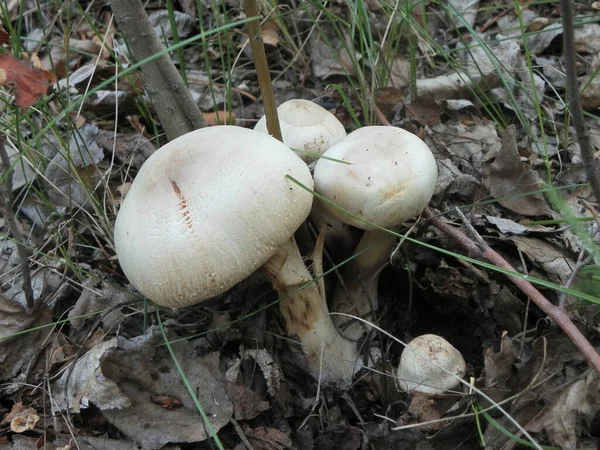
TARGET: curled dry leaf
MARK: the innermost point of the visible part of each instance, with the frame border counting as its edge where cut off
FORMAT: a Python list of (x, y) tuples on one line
[(270, 33), (28, 81), (24, 421)]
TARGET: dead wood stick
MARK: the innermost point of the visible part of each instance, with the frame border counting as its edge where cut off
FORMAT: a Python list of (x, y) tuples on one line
[(590, 161), (170, 97), (483, 250)]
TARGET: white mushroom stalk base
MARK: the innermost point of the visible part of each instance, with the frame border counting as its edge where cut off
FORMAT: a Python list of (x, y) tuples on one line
[(330, 357), (358, 295)]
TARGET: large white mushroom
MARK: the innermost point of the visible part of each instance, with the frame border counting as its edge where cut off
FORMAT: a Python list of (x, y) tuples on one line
[(211, 207), (306, 127), (206, 210), (430, 365), (390, 177)]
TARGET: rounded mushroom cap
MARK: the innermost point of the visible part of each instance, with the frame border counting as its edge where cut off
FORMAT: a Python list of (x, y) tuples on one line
[(206, 210), (391, 176), (416, 371), (306, 126)]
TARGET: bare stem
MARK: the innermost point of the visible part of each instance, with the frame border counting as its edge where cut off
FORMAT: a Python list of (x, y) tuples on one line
[(358, 295), (172, 100), (262, 69), (483, 250), (583, 136), (13, 226)]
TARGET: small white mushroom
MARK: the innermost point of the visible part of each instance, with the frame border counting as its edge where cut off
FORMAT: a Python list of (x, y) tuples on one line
[(391, 177), (307, 127), (431, 365)]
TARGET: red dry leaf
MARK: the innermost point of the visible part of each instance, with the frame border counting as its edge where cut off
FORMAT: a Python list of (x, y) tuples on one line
[(4, 36), (28, 81)]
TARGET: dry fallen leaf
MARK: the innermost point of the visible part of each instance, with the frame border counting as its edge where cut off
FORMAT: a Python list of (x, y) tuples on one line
[(572, 412), (247, 404), (121, 377), (4, 36), (424, 111), (270, 33), (28, 81), (509, 179), (219, 118), (498, 365), (263, 438), (24, 421), (555, 260), (18, 350)]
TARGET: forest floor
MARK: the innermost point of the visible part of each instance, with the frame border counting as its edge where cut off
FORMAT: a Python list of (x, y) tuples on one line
[(87, 363)]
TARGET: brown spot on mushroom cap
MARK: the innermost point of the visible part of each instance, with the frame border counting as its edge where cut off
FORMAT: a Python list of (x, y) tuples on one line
[(183, 206)]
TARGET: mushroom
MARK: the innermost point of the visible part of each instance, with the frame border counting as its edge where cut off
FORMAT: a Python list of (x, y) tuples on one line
[(391, 177), (206, 210), (430, 365), (211, 207), (306, 127), (310, 129)]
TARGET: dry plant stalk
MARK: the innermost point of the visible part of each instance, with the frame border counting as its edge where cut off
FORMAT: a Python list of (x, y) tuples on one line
[(176, 109), (481, 249), (262, 70), (583, 136)]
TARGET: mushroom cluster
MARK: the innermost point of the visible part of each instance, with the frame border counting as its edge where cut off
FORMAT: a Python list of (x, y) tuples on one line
[(213, 206)]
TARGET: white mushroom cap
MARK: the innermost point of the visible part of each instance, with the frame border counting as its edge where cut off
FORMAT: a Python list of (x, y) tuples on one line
[(206, 210), (391, 177), (306, 126), (417, 372)]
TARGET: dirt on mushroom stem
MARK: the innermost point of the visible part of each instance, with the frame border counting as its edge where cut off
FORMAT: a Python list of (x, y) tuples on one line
[(330, 357)]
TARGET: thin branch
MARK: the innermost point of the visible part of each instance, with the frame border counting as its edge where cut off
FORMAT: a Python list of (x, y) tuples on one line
[(172, 100), (262, 69), (24, 252), (583, 136), (483, 250)]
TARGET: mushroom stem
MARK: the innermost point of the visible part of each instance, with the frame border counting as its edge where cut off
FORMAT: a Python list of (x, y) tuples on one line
[(330, 357), (339, 240), (358, 295)]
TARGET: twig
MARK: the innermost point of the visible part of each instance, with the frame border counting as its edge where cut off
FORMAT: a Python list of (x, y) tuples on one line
[(583, 136), (582, 261), (262, 70), (483, 250), (13, 227), (176, 109)]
